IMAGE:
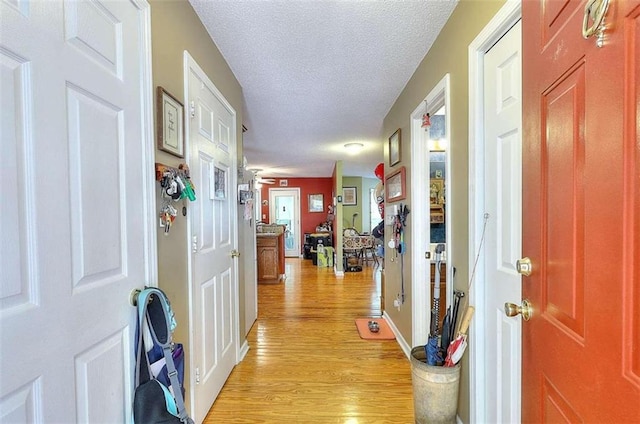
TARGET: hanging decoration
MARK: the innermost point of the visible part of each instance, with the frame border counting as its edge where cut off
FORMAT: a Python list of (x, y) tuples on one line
[(426, 118), (426, 121)]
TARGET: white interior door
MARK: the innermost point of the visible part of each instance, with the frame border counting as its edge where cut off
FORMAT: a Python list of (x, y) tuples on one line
[(214, 291), (76, 221), (503, 246), (285, 209)]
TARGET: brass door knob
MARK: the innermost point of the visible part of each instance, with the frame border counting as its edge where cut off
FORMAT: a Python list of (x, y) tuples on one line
[(235, 254), (511, 310), (524, 266)]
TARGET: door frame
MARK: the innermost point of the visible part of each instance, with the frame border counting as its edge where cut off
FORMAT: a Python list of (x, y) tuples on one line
[(149, 189), (296, 226), (421, 229), (189, 64), (506, 17)]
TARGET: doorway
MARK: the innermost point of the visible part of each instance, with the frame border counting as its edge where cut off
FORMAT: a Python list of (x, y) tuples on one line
[(436, 102), (285, 210)]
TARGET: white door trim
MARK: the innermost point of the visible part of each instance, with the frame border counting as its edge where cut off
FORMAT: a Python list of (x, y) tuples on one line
[(506, 17), (149, 188), (421, 230), (191, 64)]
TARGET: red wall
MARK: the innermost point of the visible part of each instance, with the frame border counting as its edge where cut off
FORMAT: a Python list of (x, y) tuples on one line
[(308, 220)]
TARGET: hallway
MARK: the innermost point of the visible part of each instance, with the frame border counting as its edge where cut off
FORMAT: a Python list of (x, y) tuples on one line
[(307, 363)]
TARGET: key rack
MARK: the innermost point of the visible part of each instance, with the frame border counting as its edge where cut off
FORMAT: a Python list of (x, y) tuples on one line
[(175, 185), (182, 170)]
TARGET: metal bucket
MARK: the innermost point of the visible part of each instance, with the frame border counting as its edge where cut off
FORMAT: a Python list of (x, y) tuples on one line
[(435, 390)]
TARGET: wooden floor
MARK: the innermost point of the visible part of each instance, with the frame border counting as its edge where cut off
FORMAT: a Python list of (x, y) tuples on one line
[(307, 363)]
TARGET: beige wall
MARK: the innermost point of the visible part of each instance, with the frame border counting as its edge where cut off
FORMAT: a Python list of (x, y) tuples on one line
[(175, 28), (449, 54), (348, 211), (363, 208), (338, 227)]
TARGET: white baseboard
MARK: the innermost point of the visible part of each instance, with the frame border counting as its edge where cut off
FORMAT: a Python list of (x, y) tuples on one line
[(244, 349), (401, 341)]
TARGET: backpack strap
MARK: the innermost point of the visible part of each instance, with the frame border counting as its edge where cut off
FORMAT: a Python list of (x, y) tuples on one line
[(141, 351), (177, 388)]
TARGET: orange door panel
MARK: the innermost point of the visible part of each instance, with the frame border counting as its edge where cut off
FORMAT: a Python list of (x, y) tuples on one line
[(581, 214)]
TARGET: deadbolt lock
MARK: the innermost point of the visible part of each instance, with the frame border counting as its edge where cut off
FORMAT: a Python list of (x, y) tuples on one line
[(524, 266), (511, 309)]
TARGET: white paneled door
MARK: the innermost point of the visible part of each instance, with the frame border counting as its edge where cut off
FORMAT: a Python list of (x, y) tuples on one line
[(503, 200), (76, 231), (214, 286)]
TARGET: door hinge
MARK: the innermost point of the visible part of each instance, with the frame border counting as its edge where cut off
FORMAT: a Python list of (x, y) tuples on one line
[(192, 109), (197, 375), (194, 244), (427, 255)]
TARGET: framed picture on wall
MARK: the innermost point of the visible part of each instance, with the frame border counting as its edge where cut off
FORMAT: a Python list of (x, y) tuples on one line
[(394, 148), (349, 196), (316, 203), (170, 125), (395, 185), (219, 184)]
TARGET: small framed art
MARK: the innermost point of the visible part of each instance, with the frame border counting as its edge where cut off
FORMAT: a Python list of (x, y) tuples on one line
[(395, 185), (394, 148), (170, 125), (350, 196), (316, 203)]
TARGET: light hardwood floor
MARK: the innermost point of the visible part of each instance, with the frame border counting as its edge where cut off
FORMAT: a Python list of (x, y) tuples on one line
[(307, 363)]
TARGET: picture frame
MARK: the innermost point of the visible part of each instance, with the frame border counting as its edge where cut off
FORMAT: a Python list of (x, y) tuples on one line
[(395, 185), (436, 191), (245, 196), (170, 123), (219, 183), (394, 148), (244, 193), (349, 196), (316, 203)]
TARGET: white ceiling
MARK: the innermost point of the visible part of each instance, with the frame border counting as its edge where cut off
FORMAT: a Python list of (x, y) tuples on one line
[(317, 74)]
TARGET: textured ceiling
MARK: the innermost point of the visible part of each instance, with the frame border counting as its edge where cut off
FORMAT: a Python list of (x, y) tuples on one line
[(317, 74)]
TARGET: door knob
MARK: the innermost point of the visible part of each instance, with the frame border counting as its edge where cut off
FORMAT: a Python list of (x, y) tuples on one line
[(235, 253), (524, 266), (511, 310)]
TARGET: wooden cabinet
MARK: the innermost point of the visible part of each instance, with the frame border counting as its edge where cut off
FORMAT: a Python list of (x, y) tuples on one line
[(437, 214), (443, 289), (270, 257)]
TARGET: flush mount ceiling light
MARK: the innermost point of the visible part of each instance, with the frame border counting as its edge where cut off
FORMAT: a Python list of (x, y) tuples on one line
[(353, 148)]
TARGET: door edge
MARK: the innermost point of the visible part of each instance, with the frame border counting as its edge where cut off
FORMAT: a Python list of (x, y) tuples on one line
[(504, 19)]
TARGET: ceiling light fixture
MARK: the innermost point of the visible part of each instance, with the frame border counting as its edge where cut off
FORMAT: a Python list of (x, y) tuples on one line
[(353, 148)]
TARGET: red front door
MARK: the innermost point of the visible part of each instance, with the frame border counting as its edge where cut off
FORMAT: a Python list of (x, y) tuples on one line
[(581, 219)]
